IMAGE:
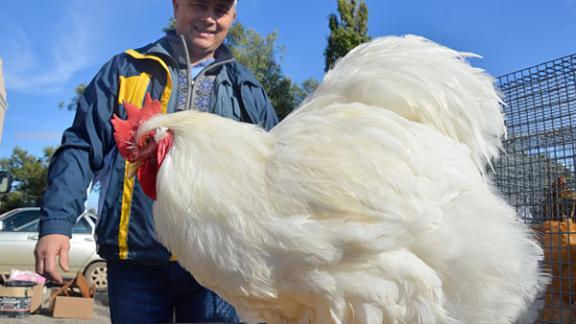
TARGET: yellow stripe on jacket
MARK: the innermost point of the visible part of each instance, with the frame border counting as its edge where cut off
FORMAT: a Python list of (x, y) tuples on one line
[(132, 90)]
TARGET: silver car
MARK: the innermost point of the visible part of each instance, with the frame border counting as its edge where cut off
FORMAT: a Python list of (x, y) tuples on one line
[(18, 236)]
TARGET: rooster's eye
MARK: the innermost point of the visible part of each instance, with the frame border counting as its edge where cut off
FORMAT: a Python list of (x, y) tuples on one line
[(146, 140)]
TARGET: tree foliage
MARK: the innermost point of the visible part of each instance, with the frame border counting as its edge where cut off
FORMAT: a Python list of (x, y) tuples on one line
[(171, 25), (304, 89), (261, 55), (30, 178), (347, 30), (71, 105)]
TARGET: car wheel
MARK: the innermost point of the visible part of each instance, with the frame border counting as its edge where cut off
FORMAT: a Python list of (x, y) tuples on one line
[(96, 274)]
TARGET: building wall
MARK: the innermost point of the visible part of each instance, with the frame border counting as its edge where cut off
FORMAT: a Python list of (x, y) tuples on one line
[(3, 102)]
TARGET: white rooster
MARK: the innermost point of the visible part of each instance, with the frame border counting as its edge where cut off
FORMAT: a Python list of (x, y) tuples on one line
[(368, 204)]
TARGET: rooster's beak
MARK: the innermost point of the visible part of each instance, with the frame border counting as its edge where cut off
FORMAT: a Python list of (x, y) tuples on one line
[(132, 168)]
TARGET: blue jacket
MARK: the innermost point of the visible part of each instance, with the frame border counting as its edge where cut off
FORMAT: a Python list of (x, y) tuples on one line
[(88, 153)]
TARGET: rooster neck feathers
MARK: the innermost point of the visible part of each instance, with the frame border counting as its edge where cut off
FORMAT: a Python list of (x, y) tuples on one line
[(219, 155)]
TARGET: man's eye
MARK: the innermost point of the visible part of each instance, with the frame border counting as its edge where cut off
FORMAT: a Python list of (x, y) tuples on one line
[(198, 6), (221, 11)]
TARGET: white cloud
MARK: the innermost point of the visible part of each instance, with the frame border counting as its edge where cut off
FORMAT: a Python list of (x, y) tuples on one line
[(43, 61)]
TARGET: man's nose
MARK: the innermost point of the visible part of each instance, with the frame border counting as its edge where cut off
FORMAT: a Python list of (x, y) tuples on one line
[(210, 15)]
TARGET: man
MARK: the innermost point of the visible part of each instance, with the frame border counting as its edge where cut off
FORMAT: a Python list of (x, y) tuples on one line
[(188, 69)]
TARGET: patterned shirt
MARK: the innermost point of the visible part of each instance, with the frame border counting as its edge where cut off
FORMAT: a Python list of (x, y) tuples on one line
[(203, 88)]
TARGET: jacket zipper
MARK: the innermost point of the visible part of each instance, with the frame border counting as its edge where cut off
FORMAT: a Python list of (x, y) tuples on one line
[(191, 83)]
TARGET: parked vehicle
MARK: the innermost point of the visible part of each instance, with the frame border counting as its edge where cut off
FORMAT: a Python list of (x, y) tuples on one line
[(19, 234)]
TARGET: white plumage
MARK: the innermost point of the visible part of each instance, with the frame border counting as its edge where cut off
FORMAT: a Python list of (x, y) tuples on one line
[(368, 204)]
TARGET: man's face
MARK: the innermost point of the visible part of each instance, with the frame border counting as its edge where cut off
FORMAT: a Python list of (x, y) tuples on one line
[(204, 23)]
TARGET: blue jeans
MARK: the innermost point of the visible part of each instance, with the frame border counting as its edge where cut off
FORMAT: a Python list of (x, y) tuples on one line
[(159, 293)]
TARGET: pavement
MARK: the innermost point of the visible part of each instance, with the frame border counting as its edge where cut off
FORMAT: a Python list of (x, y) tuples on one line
[(101, 314)]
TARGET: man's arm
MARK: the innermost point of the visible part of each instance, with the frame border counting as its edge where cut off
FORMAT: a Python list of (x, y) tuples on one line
[(82, 153), (268, 118), (258, 105)]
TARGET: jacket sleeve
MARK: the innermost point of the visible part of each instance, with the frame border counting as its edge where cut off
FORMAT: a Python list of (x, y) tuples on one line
[(258, 105), (81, 154)]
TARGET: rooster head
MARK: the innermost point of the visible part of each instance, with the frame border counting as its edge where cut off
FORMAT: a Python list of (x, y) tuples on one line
[(144, 150)]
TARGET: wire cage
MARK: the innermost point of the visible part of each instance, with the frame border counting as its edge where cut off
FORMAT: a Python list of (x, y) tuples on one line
[(537, 173)]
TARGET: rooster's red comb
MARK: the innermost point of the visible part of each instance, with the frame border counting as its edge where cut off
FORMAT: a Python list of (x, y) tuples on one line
[(125, 130)]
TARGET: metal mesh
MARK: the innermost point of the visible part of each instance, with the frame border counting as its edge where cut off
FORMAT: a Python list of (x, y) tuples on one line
[(537, 172)]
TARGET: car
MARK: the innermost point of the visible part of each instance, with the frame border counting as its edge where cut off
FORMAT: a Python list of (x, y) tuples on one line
[(19, 234)]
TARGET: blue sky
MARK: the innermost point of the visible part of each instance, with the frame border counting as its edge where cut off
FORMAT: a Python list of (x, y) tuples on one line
[(48, 47)]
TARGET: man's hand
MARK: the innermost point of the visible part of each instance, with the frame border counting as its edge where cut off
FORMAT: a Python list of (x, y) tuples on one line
[(47, 249)]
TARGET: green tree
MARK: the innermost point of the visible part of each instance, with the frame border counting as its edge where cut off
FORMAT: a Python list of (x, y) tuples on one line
[(78, 92), (304, 89), (261, 55), (347, 30), (30, 178), (171, 25)]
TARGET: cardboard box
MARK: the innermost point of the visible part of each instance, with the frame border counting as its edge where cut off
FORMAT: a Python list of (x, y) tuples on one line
[(20, 301), (37, 298), (75, 299), (72, 307)]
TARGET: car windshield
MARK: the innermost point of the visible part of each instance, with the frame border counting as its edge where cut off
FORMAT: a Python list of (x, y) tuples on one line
[(29, 220), (23, 221)]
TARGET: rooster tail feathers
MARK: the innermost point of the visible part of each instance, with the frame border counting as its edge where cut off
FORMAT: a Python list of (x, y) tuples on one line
[(424, 82)]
